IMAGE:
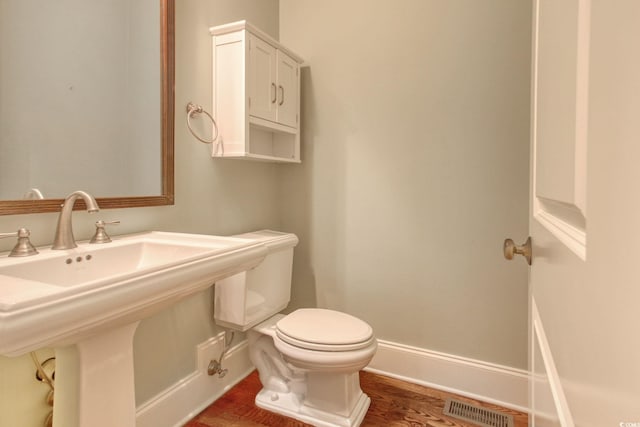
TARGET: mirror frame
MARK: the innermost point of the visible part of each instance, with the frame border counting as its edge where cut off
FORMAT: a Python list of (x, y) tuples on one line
[(167, 57)]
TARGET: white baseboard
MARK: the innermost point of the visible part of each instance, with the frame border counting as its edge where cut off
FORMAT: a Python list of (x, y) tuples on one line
[(189, 396), (479, 380), (475, 379)]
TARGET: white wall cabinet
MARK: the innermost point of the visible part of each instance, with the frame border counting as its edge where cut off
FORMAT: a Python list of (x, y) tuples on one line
[(256, 95)]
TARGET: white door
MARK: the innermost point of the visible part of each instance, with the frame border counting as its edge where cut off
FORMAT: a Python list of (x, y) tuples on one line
[(262, 79), (287, 90), (585, 214)]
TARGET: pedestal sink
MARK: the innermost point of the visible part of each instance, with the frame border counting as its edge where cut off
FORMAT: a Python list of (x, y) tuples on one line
[(86, 303)]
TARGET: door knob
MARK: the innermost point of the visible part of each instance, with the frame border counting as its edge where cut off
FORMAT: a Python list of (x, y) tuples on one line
[(510, 249)]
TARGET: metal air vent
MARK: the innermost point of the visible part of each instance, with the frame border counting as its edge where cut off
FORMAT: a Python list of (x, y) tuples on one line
[(477, 414)]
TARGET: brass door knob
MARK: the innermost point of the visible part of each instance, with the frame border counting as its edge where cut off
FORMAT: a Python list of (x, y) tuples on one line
[(510, 249)]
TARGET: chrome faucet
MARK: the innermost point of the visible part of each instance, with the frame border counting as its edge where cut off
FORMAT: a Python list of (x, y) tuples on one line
[(64, 233)]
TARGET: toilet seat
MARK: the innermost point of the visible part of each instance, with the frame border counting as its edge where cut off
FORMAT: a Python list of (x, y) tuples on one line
[(324, 330)]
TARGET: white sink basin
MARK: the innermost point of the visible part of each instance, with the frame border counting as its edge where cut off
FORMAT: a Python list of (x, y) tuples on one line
[(101, 264), (87, 302), (56, 297)]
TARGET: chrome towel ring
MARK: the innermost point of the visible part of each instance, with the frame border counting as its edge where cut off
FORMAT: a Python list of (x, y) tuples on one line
[(193, 109)]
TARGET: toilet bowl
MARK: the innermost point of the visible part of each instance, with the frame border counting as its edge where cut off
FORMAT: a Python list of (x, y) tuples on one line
[(308, 361), (323, 352)]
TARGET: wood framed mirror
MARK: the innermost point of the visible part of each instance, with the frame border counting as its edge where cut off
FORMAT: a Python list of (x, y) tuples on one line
[(165, 193)]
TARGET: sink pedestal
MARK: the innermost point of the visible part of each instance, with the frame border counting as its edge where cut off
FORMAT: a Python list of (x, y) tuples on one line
[(94, 381)]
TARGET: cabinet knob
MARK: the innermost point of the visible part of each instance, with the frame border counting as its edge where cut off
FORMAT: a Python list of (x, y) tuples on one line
[(274, 91), (281, 95)]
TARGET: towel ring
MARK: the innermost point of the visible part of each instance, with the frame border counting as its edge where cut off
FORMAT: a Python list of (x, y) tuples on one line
[(197, 109)]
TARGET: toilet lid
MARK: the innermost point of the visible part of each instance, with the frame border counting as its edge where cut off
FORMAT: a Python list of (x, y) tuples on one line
[(326, 330)]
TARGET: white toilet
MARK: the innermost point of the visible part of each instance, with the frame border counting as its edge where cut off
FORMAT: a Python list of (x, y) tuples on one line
[(308, 361)]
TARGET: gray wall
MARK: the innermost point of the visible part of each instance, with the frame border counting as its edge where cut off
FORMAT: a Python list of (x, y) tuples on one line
[(415, 125), (415, 167), (214, 196)]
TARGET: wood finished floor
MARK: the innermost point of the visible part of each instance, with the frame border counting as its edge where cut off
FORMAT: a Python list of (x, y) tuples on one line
[(393, 403)]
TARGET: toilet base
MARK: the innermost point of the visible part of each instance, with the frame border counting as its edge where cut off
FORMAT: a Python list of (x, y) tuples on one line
[(288, 404), (321, 388)]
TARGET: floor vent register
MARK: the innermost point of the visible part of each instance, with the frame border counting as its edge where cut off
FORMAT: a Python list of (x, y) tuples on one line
[(476, 414)]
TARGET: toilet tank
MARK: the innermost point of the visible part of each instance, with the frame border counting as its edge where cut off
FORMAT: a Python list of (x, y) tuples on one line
[(246, 299)]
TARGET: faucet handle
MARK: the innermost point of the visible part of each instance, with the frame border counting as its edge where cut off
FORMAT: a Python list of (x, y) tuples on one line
[(101, 235), (23, 247)]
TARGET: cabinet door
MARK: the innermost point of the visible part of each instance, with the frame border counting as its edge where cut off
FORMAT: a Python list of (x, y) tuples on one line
[(262, 79), (287, 98)]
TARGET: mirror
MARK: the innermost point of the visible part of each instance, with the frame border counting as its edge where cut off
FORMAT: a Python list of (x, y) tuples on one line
[(80, 107)]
